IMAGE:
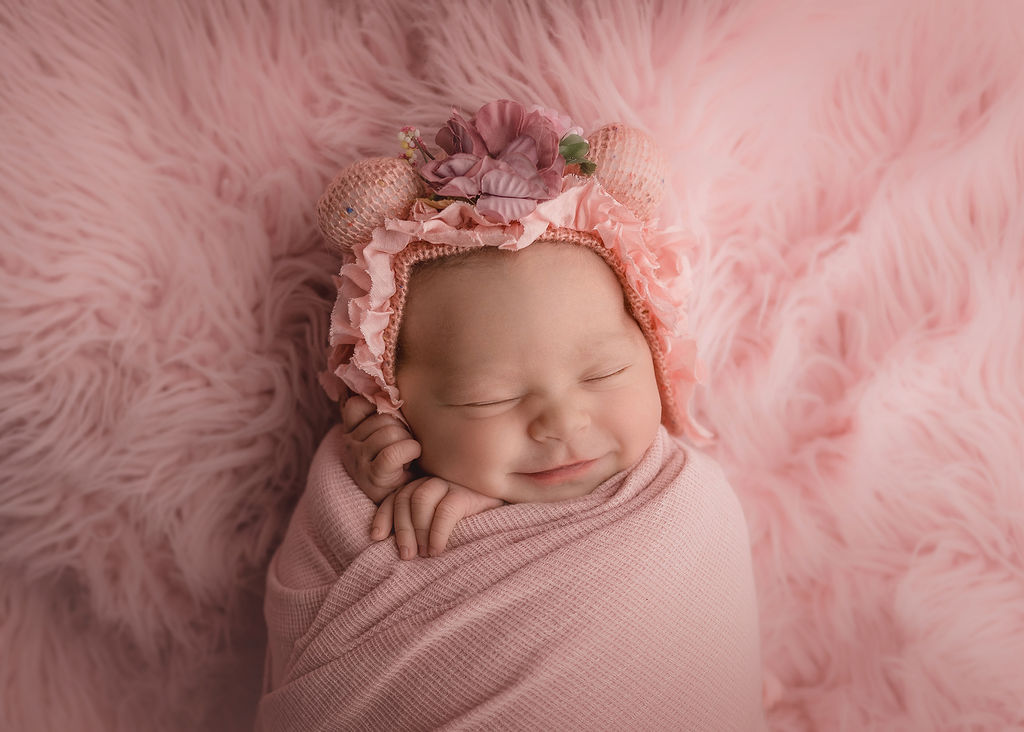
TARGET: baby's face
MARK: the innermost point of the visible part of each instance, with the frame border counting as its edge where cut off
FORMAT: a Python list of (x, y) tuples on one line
[(524, 377)]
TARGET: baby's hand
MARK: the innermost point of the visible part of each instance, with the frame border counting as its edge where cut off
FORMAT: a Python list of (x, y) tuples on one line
[(376, 449), (424, 513)]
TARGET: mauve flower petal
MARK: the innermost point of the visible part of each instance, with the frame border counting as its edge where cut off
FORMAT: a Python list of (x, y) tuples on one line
[(552, 178), (523, 145), (431, 179), (429, 171), (486, 165), (516, 167), (442, 170), (504, 210), (498, 124), (545, 136), (459, 136), (519, 164), (540, 182), (458, 164), (505, 183), (461, 186), (447, 140)]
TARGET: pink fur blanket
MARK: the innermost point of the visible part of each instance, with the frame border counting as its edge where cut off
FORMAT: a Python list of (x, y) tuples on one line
[(852, 171), (629, 608)]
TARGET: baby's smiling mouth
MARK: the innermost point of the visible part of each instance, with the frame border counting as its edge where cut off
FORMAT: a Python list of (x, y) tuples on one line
[(562, 473)]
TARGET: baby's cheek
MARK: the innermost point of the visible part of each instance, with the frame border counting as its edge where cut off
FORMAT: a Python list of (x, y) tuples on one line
[(465, 455), (441, 457), (639, 422), (484, 453)]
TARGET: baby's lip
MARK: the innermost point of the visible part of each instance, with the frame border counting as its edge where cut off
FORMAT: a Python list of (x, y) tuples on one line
[(565, 471)]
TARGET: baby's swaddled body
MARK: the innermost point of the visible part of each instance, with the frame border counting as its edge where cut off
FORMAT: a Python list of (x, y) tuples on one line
[(632, 607)]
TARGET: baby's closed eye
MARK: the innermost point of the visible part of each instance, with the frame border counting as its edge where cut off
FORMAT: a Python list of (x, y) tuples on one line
[(606, 375), (479, 407), (490, 402)]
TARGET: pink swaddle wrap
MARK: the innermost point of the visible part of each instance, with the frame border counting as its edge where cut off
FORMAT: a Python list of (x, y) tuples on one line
[(632, 607)]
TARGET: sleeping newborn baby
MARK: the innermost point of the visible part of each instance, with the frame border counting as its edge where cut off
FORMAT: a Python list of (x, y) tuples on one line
[(597, 572)]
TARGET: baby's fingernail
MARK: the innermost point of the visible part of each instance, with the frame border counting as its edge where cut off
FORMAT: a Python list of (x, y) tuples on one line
[(405, 552), (377, 533)]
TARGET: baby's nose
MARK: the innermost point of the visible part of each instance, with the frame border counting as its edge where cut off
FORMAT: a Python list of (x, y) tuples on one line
[(558, 421)]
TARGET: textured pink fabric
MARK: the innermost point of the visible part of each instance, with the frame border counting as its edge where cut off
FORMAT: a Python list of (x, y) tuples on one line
[(630, 608)]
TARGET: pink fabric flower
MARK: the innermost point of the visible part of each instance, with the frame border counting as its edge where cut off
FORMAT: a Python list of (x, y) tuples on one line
[(455, 175), (505, 158), (459, 136)]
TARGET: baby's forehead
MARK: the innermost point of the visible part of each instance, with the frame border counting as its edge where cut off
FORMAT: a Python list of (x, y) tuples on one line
[(558, 300), (539, 271), (484, 279)]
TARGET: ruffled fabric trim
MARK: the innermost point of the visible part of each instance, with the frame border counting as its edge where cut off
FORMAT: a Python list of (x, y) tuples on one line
[(654, 261)]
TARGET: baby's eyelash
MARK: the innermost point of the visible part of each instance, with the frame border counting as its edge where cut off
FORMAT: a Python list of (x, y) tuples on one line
[(489, 404), (607, 376)]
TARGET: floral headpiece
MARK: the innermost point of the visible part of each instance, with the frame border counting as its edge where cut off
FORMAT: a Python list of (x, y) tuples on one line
[(504, 161), (509, 176)]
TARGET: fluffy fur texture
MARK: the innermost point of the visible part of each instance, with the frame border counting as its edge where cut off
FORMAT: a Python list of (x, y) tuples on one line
[(854, 171)]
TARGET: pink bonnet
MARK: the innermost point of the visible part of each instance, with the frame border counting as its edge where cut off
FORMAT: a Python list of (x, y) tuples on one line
[(510, 177)]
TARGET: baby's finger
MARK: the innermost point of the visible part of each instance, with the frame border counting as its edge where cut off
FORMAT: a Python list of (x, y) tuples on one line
[(405, 534), (448, 513), (383, 519), (422, 504), (387, 434), (389, 467), (355, 410), (376, 422)]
